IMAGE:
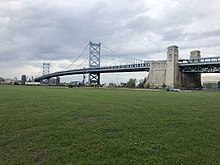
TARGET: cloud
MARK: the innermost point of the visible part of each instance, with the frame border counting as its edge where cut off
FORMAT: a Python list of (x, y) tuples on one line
[(57, 31)]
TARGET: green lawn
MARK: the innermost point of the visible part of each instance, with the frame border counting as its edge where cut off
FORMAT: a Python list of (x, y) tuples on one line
[(51, 125)]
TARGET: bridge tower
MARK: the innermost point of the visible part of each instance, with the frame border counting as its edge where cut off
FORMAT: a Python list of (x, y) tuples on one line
[(172, 67), (94, 62), (46, 70), (192, 80)]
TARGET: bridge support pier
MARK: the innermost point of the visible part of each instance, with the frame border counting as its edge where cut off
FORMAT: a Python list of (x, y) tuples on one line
[(94, 78), (191, 80)]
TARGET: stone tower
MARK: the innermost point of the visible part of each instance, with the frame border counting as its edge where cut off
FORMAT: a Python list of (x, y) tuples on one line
[(168, 71), (195, 54), (192, 80), (172, 67)]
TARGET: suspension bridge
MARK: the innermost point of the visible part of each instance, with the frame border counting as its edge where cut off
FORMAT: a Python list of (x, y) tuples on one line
[(122, 64), (167, 71)]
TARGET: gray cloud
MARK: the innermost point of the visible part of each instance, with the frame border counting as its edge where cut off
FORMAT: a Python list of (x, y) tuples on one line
[(35, 31)]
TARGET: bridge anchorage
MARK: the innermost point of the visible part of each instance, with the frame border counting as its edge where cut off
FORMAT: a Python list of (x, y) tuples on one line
[(184, 73), (172, 71)]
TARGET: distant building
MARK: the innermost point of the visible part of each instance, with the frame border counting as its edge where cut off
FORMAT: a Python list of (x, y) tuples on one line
[(2, 80), (23, 78), (9, 81), (58, 81), (75, 84), (123, 84), (32, 83), (54, 81), (112, 84)]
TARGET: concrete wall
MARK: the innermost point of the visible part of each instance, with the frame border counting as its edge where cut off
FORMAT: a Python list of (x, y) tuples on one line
[(157, 74), (165, 71), (168, 71)]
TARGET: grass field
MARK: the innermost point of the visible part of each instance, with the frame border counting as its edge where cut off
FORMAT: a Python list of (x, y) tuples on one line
[(51, 125)]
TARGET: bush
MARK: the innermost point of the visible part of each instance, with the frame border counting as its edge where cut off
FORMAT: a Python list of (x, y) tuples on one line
[(131, 83), (147, 85)]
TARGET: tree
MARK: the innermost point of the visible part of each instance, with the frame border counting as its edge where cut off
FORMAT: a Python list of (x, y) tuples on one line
[(176, 84), (131, 83), (1, 79), (152, 85), (141, 83), (209, 85), (164, 85)]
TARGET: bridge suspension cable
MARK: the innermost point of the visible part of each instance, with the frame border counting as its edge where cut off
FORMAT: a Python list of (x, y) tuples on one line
[(82, 62), (108, 53), (39, 73), (77, 57), (122, 57)]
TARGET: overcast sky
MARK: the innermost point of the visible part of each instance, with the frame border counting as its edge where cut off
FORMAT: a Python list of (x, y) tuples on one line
[(56, 31)]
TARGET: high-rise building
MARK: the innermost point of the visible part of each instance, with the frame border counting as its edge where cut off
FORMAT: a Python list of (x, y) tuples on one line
[(23, 78), (58, 81)]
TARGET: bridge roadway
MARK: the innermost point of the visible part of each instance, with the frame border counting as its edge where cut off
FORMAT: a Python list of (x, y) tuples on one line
[(145, 66), (200, 65)]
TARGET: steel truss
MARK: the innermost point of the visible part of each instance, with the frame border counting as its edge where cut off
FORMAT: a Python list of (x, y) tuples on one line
[(46, 68), (94, 62), (200, 65), (215, 68), (46, 71), (206, 60)]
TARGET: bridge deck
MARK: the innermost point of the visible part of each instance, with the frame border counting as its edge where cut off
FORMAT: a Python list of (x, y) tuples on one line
[(200, 65), (108, 69)]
